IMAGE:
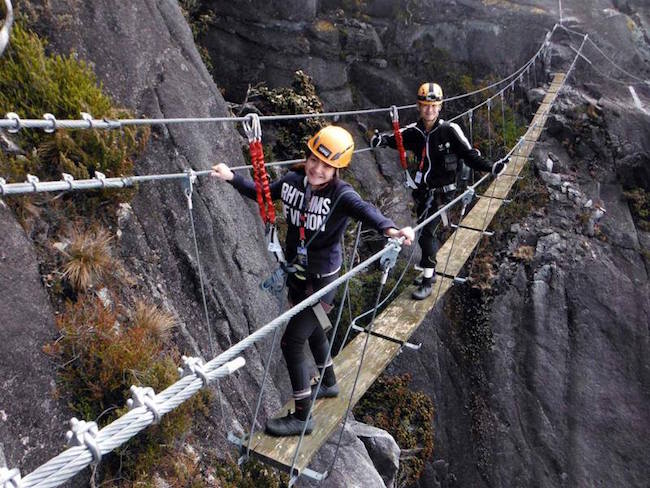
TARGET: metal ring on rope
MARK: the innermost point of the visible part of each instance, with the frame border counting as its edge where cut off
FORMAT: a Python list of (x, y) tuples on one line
[(10, 478), (88, 118), (14, 116), (84, 433), (194, 366), (144, 397), (69, 179), (52, 119)]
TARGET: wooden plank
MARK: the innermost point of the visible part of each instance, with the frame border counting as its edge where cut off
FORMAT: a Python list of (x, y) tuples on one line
[(404, 315), (500, 187), (461, 244), (327, 413), (549, 98), (515, 165), (482, 213), (524, 149)]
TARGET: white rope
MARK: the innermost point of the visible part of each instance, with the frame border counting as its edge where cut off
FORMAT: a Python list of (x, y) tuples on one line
[(6, 26), (68, 183), (146, 408)]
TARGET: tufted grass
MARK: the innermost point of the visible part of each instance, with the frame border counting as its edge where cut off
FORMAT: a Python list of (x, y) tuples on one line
[(88, 258)]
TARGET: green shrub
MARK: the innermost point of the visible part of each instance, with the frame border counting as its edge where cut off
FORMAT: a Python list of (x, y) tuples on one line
[(301, 98), (407, 415), (33, 82)]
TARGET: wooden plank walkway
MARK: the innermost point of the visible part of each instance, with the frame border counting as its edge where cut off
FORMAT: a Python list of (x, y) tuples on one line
[(401, 318)]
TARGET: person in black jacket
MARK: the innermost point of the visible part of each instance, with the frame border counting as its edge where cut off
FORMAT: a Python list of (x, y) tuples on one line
[(438, 147), (316, 204)]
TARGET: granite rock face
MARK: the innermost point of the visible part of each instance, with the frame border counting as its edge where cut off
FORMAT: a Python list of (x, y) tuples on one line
[(32, 421), (556, 394)]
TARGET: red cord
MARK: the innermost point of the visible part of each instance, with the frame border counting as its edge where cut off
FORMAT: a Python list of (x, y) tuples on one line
[(399, 143)]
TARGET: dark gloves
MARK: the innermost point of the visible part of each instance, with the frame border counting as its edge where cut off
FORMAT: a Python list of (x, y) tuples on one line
[(499, 166), (377, 140)]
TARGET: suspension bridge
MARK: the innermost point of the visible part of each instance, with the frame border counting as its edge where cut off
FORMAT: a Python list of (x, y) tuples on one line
[(362, 359)]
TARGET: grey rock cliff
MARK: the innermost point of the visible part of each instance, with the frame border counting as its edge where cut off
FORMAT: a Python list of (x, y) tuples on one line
[(559, 399)]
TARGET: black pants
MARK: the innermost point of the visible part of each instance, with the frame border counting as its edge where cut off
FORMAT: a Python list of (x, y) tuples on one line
[(428, 202), (305, 327)]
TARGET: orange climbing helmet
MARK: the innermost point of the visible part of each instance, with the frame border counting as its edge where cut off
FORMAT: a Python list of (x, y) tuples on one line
[(333, 145), (430, 94)]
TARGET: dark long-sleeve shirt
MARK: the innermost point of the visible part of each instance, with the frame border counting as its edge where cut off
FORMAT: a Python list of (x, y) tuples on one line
[(436, 150), (324, 254)]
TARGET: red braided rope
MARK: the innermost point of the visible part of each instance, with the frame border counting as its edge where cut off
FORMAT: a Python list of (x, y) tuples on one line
[(270, 209), (399, 142), (254, 152)]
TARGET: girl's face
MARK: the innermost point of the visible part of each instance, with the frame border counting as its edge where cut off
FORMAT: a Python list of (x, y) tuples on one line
[(318, 173)]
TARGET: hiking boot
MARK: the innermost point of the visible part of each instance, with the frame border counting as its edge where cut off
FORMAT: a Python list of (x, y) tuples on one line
[(326, 391), (422, 292), (288, 425)]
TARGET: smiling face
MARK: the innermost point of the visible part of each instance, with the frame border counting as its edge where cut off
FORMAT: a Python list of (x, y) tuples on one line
[(318, 173), (429, 113)]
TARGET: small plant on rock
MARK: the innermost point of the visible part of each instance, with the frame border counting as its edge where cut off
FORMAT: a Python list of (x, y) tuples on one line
[(89, 258), (389, 404), (157, 321)]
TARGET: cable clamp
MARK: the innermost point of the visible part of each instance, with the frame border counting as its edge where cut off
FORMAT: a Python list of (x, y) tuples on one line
[(101, 177), (84, 433), (389, 259), (69, 179), (52, 119), (468, 196), (193, 366), (14, 116), (144, 397), (33, 180), (188, 186), (10, 478), (394, 113), (88, 118)]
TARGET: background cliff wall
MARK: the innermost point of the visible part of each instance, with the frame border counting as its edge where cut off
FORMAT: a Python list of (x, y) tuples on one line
[(557, 394)]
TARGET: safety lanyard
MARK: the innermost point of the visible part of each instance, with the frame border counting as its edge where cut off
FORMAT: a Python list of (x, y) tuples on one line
[(303, 214), (424, 154), (253, 131), (399, 142)]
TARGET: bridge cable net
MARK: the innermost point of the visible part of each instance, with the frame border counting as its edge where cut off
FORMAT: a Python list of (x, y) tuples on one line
[(148, 407), (100, 181), (13, 123)]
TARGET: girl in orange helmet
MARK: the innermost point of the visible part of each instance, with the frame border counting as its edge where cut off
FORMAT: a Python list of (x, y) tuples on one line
[(317, 206)]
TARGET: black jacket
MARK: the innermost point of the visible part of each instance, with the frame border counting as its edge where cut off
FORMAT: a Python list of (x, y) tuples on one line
[(438, 152), (324, 254)]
